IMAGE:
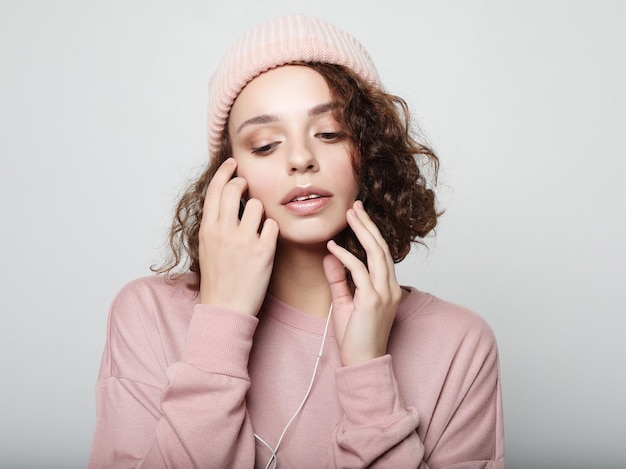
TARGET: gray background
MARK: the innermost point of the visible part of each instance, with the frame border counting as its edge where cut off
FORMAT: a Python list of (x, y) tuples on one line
[(102, 118)]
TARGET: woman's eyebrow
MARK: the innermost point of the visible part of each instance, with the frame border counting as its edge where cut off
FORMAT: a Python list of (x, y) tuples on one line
[(322, 108), (269, 118), (262, 119)]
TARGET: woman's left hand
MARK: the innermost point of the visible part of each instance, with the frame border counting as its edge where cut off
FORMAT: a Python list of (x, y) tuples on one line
[(362, 322)]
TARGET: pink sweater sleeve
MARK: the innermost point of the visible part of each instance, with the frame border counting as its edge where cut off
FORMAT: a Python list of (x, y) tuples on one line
[(191, 414), (376, 430)]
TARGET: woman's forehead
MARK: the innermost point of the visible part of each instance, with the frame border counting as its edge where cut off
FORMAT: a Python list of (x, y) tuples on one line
[(282, 91)]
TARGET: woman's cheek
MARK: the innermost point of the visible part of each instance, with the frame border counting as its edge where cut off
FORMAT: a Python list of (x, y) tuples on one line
[(256, 192)]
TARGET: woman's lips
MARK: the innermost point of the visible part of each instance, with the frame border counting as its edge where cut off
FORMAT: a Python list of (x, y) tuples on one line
[(306, 200), (309, 206)]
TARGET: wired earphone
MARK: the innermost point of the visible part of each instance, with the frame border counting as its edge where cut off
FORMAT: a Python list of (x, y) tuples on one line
[(274, 458)]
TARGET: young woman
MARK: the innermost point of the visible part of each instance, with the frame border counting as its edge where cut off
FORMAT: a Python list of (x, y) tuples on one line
[(288, 341)]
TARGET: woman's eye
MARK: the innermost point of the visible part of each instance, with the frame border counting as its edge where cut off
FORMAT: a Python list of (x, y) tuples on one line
[(264, 149), (330, 136)]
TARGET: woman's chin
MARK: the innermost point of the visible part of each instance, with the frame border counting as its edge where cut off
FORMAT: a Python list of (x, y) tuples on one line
[(308, 239)]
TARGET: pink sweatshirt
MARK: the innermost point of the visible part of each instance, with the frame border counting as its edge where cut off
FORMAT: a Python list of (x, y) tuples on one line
[(186, 385)]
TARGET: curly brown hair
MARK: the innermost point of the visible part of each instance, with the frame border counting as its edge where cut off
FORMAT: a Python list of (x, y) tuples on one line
[(388, 160)]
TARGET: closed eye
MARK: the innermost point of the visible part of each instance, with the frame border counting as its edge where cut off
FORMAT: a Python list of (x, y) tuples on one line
[(330, 136), (265, 149)]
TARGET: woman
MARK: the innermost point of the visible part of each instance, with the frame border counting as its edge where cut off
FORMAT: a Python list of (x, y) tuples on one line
[(289, 342)]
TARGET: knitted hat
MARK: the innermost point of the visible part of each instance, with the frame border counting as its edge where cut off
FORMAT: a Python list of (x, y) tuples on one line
[(281, 41)]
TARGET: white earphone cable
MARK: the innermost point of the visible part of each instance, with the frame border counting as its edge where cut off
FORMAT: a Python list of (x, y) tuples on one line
[(273, 458)]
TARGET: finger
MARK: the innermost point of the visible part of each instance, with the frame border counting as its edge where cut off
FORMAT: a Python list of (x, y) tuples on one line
[(373, 229), (213, 196), (359, 272), (367, 221), (336, 277), (231, 200), (252, 215), (377, 260), (269, 232), (340, 295)]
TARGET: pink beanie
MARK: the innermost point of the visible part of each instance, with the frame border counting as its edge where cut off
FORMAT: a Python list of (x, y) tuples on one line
[(279, 42)]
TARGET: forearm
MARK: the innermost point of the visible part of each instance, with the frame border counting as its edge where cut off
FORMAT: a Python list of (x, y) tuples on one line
[(376, 429), (198, 419)]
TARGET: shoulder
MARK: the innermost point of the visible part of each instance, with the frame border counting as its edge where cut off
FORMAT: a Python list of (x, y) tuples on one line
[(443, 321), (152, 305), (439, 342), (148, 322), (153, 291), (429, 308)]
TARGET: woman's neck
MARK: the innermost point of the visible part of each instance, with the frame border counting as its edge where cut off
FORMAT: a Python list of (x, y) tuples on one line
[(298, 278)]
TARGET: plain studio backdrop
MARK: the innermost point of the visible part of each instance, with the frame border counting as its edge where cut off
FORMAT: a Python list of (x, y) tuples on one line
[(102, 120)]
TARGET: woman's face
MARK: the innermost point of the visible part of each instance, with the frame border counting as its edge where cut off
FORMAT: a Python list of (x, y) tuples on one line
[(293, 153)]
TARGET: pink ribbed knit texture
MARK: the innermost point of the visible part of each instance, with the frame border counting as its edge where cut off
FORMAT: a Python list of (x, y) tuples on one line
[(279, 42)]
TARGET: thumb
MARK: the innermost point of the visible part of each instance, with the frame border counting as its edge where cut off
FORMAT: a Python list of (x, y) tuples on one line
[(340, 294), (336, 276)]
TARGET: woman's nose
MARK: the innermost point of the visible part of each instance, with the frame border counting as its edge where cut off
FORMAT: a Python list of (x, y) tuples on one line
[(302, 159)]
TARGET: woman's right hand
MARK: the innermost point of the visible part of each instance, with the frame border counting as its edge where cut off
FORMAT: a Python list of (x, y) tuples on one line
[(236, 256)]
